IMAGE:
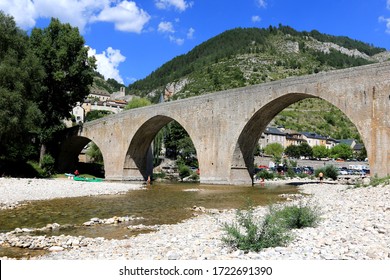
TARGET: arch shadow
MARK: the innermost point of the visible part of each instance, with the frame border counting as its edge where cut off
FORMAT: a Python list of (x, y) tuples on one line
[(138, 163), (242, 168), (70, 149)]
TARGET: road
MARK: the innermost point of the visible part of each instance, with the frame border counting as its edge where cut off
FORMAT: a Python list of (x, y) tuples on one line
[(313, 163)]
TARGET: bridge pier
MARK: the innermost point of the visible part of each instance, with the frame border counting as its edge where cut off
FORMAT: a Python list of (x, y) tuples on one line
[(240, 176)]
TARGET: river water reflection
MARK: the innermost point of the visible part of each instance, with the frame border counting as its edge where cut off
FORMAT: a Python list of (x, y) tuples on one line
[(157, 204)]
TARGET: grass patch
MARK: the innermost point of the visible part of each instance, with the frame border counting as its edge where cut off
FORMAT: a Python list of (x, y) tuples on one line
[(297, 216), (376, 181), (250, 234)]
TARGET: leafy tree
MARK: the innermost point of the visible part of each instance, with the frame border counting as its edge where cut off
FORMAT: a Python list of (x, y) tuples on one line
[(320, 151), (68, 74), (275, 150), (342, 151), (292, 151), (187, 151), (179, 145), (137, 102), (20, 80), (114, 84), (94, 153), (305, 150), (362, 155)]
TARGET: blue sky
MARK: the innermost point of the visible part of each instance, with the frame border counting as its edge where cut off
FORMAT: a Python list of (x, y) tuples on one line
[(130, 39)]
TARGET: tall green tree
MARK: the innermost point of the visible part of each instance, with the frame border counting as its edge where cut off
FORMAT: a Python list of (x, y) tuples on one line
[(305, 150), (342, 151), (320, 151), (292, 151), (68, 73), (20, 81), (275, 150)]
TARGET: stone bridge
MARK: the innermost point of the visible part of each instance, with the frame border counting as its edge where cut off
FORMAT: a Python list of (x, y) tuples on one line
[(225, 126)]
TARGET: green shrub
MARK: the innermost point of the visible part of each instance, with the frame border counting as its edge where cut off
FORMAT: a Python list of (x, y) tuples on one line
[(376, 181), (329, 171), (295, 217), (264, 174), (47, 165), (184, 171), (160, 175), (247, 234), (290, 172)]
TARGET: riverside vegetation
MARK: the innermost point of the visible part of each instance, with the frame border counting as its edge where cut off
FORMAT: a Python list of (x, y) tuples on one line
[(250, 234)]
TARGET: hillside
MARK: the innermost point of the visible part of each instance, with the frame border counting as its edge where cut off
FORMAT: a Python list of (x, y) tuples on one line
[(246, 56)]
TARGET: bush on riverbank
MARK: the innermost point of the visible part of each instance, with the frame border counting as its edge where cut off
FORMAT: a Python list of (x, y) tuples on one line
[(376, 181), (248, 234), (297, 216), (329, 171)]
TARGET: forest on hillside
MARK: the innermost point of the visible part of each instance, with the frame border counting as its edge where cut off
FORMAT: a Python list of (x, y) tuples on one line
[(220, 56)]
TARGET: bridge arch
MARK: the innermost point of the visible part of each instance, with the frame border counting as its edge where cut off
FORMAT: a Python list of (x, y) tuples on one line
[(138, 163), (242, 167), (70, 150)]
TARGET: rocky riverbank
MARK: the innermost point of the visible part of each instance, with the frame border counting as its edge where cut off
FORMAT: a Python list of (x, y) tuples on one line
[(355, 225), (15, 191)]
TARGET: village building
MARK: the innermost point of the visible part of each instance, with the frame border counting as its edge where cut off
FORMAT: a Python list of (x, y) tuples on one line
[(272, 135)]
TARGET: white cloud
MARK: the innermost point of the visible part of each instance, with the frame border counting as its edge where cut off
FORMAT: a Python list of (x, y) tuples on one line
[(166, 27), (190, 33), (23, 11), (177, 41), (387, 21), (180, 5), (262, 3), (388, 4), (256, 19), (108, 62), (124, 14)]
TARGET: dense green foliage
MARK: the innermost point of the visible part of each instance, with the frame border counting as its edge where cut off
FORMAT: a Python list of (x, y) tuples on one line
[(320, 152), (69, 72), (94, 115), (94, 153), (41, 78), (275, 150), (137, 103), (248, 234), (318, 116), (20, 82), (342, 151), (297, 216), (178, 145), (329, 171), (110, 85), (302, 150), (215, 60)]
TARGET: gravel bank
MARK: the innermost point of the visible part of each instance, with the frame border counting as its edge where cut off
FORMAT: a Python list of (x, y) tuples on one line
[(14, 191), (355, 225)]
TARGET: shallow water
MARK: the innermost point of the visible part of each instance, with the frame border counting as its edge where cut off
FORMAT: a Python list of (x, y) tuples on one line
[(157, 204)]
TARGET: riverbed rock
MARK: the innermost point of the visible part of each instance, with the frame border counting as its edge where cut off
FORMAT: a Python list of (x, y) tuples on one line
[(56, 249)]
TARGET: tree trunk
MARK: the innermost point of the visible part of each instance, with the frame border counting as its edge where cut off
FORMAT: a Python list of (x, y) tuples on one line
[(42, 153)]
